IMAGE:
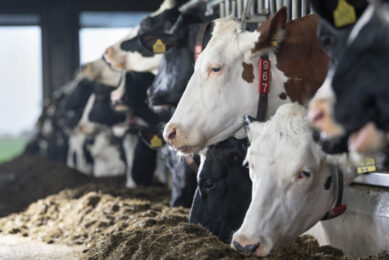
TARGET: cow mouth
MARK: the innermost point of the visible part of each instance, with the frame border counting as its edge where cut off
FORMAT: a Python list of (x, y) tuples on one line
[(187, 149)]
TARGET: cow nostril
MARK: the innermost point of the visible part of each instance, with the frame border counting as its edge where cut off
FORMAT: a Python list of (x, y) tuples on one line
[(251, 248), (248, 249), (172, 134), (169, 135), (238, 246)]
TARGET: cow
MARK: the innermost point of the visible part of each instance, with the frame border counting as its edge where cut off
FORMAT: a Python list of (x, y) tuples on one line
[(108, 155), (223, 194), (129, 54), (295, 184), (79, 155), (225, 81), (102, 79), (354, 101), (177, 63)]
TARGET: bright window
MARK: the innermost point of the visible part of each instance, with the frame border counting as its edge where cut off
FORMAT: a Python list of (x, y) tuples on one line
[(102, 29), (21, 85)]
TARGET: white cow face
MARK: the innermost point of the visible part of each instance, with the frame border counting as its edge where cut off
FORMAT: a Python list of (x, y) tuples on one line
[(107, 159), (289, 173), (131, 60), (222, 88), (101, 72)]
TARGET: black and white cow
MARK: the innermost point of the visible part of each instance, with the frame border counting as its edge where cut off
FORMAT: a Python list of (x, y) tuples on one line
[(353, 101), (224, 189), (129, 53)]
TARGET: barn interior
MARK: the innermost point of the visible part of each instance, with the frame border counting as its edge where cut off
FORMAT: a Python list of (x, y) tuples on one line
[(73, 187)]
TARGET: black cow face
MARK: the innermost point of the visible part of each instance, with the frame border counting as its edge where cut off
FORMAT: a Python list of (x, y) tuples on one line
[(224, 189), (102, 111), (357, 74), (75, 103), (177, 65), (160, 23), (361, 77)]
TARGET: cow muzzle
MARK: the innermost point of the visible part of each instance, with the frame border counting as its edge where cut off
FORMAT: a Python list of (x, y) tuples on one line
[(178, 139), (248, 246)]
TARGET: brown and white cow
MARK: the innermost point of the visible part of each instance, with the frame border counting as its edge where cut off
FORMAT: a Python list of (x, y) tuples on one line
[(225, 81)]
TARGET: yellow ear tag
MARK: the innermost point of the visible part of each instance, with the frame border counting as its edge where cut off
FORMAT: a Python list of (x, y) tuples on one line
[(155, 142), (344, 14), (159, 46), (366, 166), (274, 41)]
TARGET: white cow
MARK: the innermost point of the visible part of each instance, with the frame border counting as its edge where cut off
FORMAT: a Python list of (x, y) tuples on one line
[(77, 158), (225, 80), (134, 59), (294, 182), (107, 157)]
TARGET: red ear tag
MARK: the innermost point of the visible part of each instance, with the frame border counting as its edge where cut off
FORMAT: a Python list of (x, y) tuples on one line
[(264, 76), (197, 50)]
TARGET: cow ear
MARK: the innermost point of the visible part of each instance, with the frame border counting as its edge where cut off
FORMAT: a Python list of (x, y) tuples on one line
[(158, 42), (252, 127), (271, 31)]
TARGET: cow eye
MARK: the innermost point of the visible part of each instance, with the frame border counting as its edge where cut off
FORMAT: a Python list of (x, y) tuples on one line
[(210, 185), (215, 68), (303, 174), (327, 41)]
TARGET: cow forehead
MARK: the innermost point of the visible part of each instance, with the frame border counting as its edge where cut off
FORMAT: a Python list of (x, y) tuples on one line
[(132, 34)]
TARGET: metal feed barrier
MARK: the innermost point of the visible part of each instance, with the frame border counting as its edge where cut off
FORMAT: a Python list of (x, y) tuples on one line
[(258, 11)]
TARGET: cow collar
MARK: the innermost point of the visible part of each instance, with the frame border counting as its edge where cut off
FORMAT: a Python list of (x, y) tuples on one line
[(263, 86), (339, 208), (199, 45)]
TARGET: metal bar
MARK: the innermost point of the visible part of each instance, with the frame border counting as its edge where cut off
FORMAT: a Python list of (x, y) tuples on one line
[(272, 7), (260, 6), (222, 9), (245, 15), (375, 179), (228, 7), (279, 4), (295, 9), (233, 8), (239, 8)]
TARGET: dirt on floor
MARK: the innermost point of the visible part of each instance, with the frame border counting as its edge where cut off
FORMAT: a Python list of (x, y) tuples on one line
[(111, 222)]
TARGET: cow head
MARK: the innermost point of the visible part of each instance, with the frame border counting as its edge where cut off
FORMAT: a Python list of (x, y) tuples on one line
[(108, 160), (354, 97), (130, 53), (225, 80), (291, 177), (224, 189), (177, 64)]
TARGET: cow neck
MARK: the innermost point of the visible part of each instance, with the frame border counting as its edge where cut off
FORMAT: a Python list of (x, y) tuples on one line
[(199, 44), (338, 208), (263, 86)]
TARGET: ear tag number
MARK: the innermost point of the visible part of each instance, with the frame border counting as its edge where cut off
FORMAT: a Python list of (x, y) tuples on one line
[(274, 40), (366, 166), (264, 76), (159, 46), (155, 142), (344, 14)]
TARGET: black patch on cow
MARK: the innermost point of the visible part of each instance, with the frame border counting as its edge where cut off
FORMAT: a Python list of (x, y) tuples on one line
[(85, 149), (327, 185), (224, 189), (177, 65), (102, 111)]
